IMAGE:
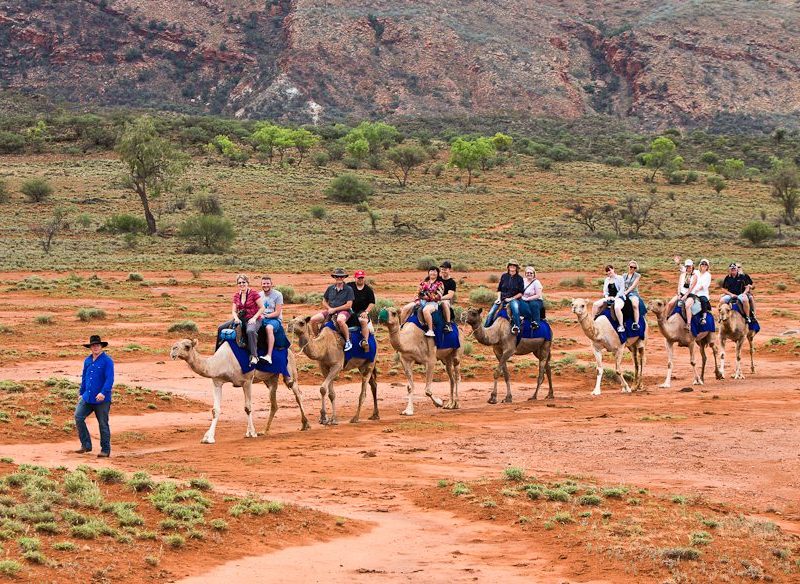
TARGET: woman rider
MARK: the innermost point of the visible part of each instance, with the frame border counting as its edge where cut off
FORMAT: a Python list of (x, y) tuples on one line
[(248, 300), (532, 301), (631, 280), (698, 291), (687, 269), (613, 296), (509, 292), (429, 294)]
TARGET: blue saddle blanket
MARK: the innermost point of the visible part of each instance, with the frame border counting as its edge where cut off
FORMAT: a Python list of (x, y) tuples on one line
[(441, 339), (281, 340), (279, 365), (527, 331), (753, 324), (629, 332), (355, 339), (696, 324)]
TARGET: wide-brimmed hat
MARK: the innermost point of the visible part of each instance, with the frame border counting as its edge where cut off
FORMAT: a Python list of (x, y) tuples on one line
[(339, 273), (705, 261), (688, 263), (94, 340), (513, 263)]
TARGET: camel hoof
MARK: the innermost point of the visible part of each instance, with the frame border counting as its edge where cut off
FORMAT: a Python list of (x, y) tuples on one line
[(492, 400), (451, 405), (436, 401), (251, 435), (407, 413), (323, 421), (306, 426), (549, 396), (507, 400), (596, 392), (333, 422), (375, 417), (533, 398), (665, 385), (207, 440)]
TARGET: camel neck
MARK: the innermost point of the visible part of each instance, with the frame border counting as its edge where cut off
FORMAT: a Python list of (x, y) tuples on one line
[(486, 336), (199, 364), (311, 345), (588, 326), (394, 336)]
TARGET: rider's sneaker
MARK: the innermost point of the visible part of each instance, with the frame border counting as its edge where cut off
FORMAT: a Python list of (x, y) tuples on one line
[(534, 325), (348, 345), (364, 345), (515, 329), (748, 320), (430, 333), (635, 326), (253, 360), (621, 329), (703, 321), (448, 328), (266, 358)]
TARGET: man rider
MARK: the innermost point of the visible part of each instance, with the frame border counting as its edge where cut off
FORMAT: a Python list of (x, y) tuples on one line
[(272, 318), (448, 298), (337, 302), (363, 303)]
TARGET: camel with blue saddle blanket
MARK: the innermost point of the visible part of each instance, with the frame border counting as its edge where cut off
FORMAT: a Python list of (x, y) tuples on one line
[(413, 347), (734, 327), (230, 364), (604, 337), (327, 349), (673, 329), (505, 344)]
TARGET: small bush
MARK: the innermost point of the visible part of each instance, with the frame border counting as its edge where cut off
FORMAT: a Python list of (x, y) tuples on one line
[(36, 190), (208, 233), (11, 142), (151, 560), (10, 567), (184, 326), (318, 212), (589, 500), (563, 517), (46, 527), (201, 483), (35, 557), (111, 475), (141, 481), (88, 314), (29, 544), (700, 538), (4, 195), (320, 159), (44, 319), (425, 262), (514, 473), (11, 386), (64, 546), (175, 541), (461, 489), (207, 204), (615, 492), (135, 277), (680, 554), (348, 188), (482, 295), (125, 223), (557, 495), (219, 524), (544, 163), (757, 232)]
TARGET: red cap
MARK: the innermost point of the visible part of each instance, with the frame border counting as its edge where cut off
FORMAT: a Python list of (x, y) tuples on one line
[(360, 274)]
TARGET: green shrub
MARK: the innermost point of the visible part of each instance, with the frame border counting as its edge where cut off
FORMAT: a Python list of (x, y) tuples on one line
[(184, 326), (557, 495), (29, 544), (207, 204), (218, 524), (544, 163), (201, 483), (615, 492), (44, 319), (589, 500), (4, 194), (36, 189), (110, 475), (208, 233), (64, 546), (563, 517), (320, 159), (175, 541), (757, 232), (11, 142), (680, 553), (35, 557), (125, 223), (87, 314), (614, 161), (135, 277), (514, 473), (11, 386), (700, 538), (482, 295), (318, 212), (425, 262), (46, 527), (348, 188)]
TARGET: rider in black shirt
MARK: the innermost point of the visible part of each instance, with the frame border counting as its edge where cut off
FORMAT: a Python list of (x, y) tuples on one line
[(363, 301), (448, 298)]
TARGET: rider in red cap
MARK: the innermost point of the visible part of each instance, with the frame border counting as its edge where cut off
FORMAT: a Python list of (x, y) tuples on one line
[(363, 302)]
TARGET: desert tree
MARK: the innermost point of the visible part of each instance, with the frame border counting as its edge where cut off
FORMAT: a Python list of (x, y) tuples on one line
[(153, 164), (404, 158), (785, 181)]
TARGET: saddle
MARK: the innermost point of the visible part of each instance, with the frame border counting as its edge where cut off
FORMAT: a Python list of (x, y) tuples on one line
[(439, 313)]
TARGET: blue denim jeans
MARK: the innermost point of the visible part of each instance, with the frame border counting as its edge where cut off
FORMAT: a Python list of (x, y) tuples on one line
[(531, 309), (101, 411), (513, 308)]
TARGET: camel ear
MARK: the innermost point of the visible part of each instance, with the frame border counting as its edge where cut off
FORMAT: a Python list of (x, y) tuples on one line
[(194, 342), (306, 319)]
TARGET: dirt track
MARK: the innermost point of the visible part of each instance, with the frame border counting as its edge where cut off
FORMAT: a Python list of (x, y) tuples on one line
[(734, 442)]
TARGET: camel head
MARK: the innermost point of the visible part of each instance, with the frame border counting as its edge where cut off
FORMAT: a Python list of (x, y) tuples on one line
[(724, 312), (474, 317), (182, 349), (389, 316), (657, 306), (580, 306), (299, 325)]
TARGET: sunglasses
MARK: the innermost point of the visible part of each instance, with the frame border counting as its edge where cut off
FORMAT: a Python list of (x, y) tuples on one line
[(242, 283), (632, 267)]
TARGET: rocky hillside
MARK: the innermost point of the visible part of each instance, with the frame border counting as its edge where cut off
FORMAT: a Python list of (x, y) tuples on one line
[(656, 62)]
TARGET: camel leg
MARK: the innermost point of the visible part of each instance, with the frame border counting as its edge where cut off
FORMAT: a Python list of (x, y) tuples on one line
[(333, 420), (272, 385), (247, 389), (598, 357), (295, 389), (721, 356), (640, 378), (618, 369), (635, 354), (752, 353), (507, 378), (408, 367), (456, 363), (496, 375), (365, 375), (668, 379), (715, 353), (703, 361), (324, 390), (209, 436), (539, 376), (693, 362), (452, 403), (738, 373), (373, 384), (549, 373), (429, 383)]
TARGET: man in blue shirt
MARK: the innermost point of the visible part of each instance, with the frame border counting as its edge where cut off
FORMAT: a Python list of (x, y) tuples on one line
[(95, 396)]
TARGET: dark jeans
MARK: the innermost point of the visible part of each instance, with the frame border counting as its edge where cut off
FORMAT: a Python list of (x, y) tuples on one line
[(252, 334), (532, 309), (101, 411), (513, 308)]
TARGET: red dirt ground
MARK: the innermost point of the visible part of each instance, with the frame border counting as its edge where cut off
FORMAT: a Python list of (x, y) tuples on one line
[(735, 443)]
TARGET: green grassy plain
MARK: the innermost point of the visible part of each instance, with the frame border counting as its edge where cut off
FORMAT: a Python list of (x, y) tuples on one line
[(516, 210)]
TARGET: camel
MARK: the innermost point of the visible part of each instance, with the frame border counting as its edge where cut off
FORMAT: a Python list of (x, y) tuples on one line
[(327, 349), (222, 367), (504, 344), (605, 338), (673, 329), (733, 326), (413, 347)]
